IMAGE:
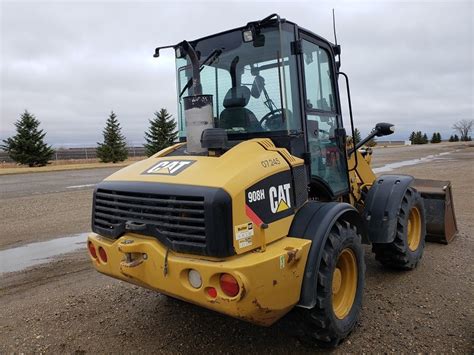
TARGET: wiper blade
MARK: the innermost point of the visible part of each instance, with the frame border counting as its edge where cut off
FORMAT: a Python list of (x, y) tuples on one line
[(211, 58)]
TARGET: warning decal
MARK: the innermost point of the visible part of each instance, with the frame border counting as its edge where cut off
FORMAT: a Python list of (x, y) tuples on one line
[(244, 234)]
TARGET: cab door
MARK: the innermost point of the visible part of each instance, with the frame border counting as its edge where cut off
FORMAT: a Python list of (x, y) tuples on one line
[(323, 119)]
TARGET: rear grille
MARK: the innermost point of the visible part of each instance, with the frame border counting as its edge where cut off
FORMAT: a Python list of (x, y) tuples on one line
[(180, 219), (177, 220)]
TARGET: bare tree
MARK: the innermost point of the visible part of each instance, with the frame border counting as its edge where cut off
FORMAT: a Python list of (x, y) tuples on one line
[(464, 127)]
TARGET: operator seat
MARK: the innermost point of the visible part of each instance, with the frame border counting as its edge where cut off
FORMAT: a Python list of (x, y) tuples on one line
[(235, 114)]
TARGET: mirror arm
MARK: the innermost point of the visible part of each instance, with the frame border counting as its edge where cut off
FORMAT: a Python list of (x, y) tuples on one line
[(157, 50), (374, 133)]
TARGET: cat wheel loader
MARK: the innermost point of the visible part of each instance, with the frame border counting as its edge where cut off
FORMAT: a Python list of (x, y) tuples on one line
[(262, 208)]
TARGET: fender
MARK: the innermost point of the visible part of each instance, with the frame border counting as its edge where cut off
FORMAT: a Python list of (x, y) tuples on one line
[(314, 221), (382, 205)]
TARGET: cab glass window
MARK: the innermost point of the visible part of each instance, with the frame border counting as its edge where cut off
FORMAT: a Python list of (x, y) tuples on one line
[(318, 81)]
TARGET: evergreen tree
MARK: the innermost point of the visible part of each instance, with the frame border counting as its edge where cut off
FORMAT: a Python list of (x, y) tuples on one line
[(451, 139), (357, 137), (114, 148), (412, 137), (425, 139), (27, 146), (418, 138), (161, 134), (456, 138), (436, 138)]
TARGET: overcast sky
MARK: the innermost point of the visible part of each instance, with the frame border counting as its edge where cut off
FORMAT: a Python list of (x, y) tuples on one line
[(70, 63)]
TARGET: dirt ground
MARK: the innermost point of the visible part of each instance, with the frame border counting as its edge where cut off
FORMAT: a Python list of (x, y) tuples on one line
[(65, 306)]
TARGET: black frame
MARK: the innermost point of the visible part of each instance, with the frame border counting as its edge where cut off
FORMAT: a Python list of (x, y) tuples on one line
[(292, 140), (303, 34)]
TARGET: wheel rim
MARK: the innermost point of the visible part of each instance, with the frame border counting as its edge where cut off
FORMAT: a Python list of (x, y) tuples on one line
[(344, 283), (414, 229)]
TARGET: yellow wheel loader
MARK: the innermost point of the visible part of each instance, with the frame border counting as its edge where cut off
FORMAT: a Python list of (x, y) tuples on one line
[(261, 207)]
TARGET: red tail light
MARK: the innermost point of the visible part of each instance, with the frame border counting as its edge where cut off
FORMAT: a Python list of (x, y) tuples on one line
[(229, 285), (212, 292), (92, 250), (102, 254)]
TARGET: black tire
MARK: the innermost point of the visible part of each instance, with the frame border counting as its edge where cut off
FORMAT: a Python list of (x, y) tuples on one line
[(398, 253), (320, 324)]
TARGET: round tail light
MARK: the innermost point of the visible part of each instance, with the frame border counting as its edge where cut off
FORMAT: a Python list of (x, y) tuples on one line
[(102, 254), (229, 285), (194, 278), (212, 292), (92, 251)]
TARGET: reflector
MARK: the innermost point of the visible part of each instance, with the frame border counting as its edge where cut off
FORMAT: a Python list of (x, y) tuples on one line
[(194, 278), (92, 251), (229, 285), (212, 292), (102, 254)]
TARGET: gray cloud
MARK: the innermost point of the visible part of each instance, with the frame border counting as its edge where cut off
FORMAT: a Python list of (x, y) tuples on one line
[(410, 63)]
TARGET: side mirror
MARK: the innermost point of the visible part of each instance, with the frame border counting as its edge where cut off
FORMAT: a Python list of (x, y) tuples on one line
[(259, 40), (384, 129), (381, 129), (257, 86)]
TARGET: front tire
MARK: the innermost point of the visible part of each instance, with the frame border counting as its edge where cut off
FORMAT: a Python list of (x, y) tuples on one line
[(340, 286), (407, 248)]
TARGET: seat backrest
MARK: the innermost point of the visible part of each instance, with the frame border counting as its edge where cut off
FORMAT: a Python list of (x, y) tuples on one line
[(235, 114)]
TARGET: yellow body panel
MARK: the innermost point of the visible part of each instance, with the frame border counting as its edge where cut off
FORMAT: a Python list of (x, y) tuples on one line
[(270, 281), (363, 175), (237, 169)]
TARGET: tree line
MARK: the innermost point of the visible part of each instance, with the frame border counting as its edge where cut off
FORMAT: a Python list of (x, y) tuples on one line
[(28, 145), (463, 127)]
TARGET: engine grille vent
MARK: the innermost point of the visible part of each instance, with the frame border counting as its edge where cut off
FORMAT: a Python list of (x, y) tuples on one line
[(180, 219)]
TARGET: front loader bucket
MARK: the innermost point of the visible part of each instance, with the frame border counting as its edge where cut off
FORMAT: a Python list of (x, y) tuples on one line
[(440, 218)]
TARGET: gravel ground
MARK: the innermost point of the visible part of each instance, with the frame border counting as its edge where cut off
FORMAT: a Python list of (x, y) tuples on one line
[(65, 306)]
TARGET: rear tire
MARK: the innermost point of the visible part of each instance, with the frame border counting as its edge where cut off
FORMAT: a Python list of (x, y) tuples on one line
[(340, 286), (407, 248)]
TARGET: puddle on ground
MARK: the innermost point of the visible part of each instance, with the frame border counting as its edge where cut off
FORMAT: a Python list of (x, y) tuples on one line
[(16, 259), (399, 164)]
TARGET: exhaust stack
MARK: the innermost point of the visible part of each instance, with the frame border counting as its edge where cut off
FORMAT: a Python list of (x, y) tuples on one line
[(198, 117), (198, 110)]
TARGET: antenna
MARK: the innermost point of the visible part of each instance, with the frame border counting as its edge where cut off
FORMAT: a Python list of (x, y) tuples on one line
[(337, 48)]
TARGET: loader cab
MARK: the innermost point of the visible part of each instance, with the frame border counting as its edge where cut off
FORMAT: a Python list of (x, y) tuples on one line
[(276, 80)]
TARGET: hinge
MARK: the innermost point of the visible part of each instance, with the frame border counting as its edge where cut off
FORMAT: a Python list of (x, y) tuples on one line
[(306, 156), (297, 47)]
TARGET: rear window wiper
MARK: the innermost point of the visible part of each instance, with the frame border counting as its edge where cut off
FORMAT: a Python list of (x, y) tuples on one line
[(211, 58)]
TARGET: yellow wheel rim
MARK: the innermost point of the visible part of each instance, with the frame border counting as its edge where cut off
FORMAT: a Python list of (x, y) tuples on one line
[(344, 283), (414, 229)]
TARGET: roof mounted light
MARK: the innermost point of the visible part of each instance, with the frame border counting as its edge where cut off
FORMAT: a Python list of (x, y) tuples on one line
[(247, 35)]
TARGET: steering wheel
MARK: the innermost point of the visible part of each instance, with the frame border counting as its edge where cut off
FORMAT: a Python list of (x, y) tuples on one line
[(325, 134), (273, 119)]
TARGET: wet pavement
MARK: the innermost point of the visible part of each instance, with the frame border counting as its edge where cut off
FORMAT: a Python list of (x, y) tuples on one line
[(16, 259), (429, 158)]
